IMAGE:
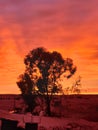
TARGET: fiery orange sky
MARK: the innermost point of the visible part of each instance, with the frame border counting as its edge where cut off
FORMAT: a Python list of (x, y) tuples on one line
[(67, 26)]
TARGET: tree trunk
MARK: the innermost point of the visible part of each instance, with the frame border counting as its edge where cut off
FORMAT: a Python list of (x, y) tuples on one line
[(30, 101), (48, 107)]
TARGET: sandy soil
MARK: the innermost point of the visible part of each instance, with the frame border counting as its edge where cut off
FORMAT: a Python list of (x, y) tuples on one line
[(51, 123), (76, 112)]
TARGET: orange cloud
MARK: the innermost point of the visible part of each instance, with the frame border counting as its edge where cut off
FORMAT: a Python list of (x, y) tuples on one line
[(70, 27)]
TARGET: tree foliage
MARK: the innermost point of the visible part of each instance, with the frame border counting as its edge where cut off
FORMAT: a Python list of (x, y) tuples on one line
[(43, 72)]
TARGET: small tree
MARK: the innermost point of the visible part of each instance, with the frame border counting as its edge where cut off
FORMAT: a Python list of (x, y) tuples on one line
[(43, 72), (75, 88)]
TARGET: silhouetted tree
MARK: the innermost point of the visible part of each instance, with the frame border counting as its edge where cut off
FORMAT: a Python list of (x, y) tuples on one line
[(75, 88), (26, 86), (43, 73)]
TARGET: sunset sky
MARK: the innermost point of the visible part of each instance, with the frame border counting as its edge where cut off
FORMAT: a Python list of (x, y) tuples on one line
[(67, 26)]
